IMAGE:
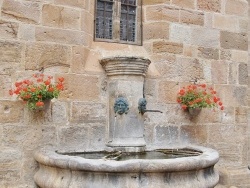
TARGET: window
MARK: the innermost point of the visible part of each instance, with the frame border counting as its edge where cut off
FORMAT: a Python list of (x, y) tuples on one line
[(118, 21)]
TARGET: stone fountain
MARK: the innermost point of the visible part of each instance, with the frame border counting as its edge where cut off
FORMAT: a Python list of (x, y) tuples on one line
[(126, 163)]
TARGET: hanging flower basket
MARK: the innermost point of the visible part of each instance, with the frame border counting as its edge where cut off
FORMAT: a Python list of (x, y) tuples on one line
[(38, 91), (194, 111), (194, 97)]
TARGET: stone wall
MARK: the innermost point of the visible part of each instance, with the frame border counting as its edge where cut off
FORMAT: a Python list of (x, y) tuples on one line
[(186, 40)]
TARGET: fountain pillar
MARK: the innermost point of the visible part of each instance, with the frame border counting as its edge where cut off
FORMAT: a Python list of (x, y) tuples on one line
[(125, 86)]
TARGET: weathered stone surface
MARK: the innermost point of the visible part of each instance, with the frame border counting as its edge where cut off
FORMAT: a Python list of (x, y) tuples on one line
[(156, 30), (74, 3), (184, 3), (191, 17), (166, 134), (228, 23), (28, 137), (61, 36), (10, 52), (80, 55), (28, 12), (170, 47), (208, 53), (10, 178), (238, 41), (193, 134), (232, 95), (97, 139), (225, 54), (87, 24), (239, 56), (150, 89), (165, 64), (205, 37), (39, 55), (168, 91), (180, 33), (219, 72), (73, 138), (208, 19), (188, 69), (60, 112), (88, 113), (241, 114), (5, 86), (10, 159), (62, 17), (27, 32), (209, 5), (229, 152), (165, 13), (243, 24), (11, 112), (237, 7), (80, 87), (243, 74), (190, 51), (233, 73), (8, 30)]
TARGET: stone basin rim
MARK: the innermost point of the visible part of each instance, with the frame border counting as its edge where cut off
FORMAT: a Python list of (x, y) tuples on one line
[(49, 157)]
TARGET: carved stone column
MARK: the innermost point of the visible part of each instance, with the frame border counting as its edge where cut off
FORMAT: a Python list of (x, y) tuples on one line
[(125, 86)]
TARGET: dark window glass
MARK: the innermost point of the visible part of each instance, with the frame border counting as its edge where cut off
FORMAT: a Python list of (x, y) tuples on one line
[(128, 20), (104, 23)]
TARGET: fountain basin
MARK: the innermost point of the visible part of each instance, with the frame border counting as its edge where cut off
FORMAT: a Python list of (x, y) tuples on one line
[(66, 171)]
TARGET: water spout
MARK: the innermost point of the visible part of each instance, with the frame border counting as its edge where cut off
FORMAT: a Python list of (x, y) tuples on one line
[(143, 111), (142, 106)]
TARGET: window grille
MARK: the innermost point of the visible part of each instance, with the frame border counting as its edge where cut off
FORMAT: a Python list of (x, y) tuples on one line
[(118, 21), (104, 22), (128, 20)]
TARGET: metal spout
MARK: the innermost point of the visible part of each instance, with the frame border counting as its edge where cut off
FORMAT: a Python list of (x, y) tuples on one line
[(151, 111), (142, 106)]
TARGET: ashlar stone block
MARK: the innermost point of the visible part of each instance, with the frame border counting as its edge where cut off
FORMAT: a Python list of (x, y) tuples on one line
[(219, 71), (208, 53), (205, 37), (73, 3), (62, 36), (11, 112), (88, 113), (191, 17), (180, 33), (8, 30), (27, 32), (28, 12), (39, 55), (237, 7), (170, 47), (62, 17), (10, 159), (166, 13), (209, 5), (184, 3), (81, 87), (228, 23), (10, 52), (156, 30), (243, 74), (230, 40), (232, 95)]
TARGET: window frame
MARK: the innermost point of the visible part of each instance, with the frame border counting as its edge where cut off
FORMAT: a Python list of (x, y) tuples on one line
[(116, 15)]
